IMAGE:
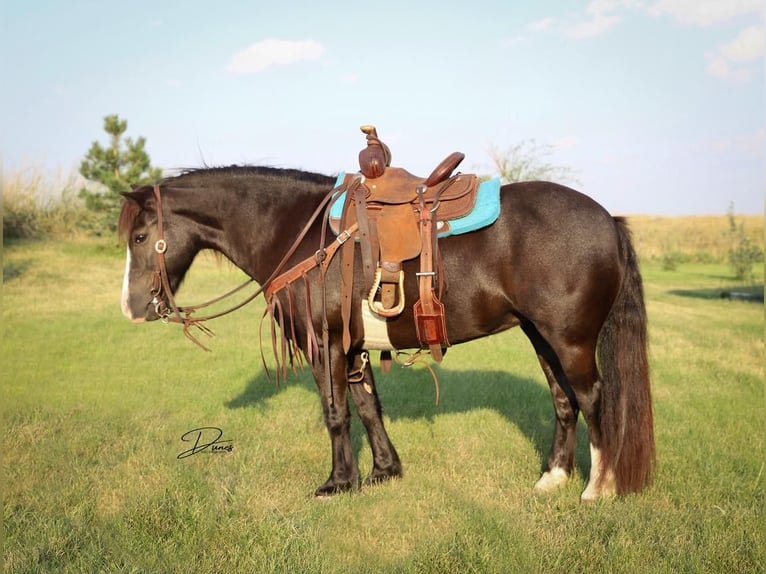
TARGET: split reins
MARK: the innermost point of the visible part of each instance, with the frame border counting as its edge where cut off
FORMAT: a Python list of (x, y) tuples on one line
[(279, 279), (171, 313)]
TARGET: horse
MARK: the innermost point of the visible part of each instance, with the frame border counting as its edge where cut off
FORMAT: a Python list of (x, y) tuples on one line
[(555, 263)]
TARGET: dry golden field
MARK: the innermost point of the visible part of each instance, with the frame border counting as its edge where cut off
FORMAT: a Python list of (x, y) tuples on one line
[(704, 238)]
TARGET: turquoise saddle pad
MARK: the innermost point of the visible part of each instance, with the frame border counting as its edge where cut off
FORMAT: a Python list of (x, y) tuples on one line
[(484, 213)]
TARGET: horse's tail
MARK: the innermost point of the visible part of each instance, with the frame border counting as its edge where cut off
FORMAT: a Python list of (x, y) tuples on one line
[(627, 421)]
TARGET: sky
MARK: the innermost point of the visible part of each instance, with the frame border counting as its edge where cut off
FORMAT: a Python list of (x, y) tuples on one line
[(657, 105)]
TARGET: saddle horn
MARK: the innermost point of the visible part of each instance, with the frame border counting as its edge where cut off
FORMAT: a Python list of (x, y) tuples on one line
[(376, 157)]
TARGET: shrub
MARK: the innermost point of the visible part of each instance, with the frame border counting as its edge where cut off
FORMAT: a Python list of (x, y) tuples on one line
[(671, 260), (743, 252), (36, 207)]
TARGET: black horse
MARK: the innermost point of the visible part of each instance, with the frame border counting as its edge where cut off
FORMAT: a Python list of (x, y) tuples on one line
[(555, 263)]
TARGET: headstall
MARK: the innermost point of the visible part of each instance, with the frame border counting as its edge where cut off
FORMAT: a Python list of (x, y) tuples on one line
[(169, 312)]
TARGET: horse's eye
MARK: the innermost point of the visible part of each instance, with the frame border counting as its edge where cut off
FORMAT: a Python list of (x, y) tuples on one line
[(140, 238)]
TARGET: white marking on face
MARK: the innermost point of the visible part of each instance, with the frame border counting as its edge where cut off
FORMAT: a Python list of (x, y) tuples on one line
[(375, 330), (126, 289)]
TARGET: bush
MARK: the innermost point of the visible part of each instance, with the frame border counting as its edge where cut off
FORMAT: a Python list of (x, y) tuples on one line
[(744, 252), (34, 207), (671, 260), (21, 217)]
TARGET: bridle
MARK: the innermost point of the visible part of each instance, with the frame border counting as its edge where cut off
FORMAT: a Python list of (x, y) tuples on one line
[(160, 281), (171, 313)]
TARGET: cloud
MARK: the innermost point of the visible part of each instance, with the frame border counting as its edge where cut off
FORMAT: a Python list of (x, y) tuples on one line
[(747, 46), (705, 12), (598, 24), (603, 16), (600, 16), (540, 25), (273, 52), (730, 61)]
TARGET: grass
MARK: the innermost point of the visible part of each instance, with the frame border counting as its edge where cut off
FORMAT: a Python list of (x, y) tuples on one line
[(95, 408)]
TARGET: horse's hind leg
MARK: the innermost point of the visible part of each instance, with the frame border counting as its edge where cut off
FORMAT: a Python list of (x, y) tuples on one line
[(386, 463), (345, 472), (560, 464), (573, 367), (579, 370)]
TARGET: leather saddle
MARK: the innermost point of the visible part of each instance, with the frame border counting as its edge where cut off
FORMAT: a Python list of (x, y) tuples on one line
[(396, 214)]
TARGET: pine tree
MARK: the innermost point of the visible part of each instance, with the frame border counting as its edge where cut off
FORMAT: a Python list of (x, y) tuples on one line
[(117, 168)]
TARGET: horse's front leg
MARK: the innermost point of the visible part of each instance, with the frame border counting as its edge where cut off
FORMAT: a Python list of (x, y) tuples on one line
[(386, 463), (345, 472)]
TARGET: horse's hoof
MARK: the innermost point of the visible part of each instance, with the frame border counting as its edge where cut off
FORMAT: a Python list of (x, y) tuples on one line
[(551, 480), (331, 487), (593, 492), (380, 476)]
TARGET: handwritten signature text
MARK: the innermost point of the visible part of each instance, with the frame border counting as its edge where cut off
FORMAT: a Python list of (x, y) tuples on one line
[(205, 439)]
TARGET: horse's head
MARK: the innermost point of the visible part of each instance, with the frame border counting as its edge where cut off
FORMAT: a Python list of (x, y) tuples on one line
[(156, 239)]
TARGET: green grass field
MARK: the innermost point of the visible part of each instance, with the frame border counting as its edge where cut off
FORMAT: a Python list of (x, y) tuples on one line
[(95, 408)]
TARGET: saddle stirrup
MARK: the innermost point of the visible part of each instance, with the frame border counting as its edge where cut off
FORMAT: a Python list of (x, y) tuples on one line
[(377, 306)]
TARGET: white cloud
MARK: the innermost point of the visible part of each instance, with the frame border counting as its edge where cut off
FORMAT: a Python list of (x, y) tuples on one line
[(706, 12), (601, 16), (273, 52), (747, 46), (540, 25), (599, 24), (720, 67), (730, 61)]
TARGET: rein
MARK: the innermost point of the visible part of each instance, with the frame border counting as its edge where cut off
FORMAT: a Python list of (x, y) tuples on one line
[(173, 314), (277, 281)]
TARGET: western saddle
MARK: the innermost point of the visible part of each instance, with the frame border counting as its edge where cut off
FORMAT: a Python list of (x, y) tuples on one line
[(396, 216)]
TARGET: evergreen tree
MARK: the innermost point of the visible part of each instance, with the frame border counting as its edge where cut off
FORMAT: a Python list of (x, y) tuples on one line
[(118, 167)]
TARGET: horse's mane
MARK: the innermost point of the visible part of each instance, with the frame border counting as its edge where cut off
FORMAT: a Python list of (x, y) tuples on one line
[(134, 201), (257, 170)]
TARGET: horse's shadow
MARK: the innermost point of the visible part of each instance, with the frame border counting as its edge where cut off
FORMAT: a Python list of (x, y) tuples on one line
[(410, 394)]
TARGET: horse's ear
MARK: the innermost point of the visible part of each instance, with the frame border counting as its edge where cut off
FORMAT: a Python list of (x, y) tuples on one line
[(139, 194)]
